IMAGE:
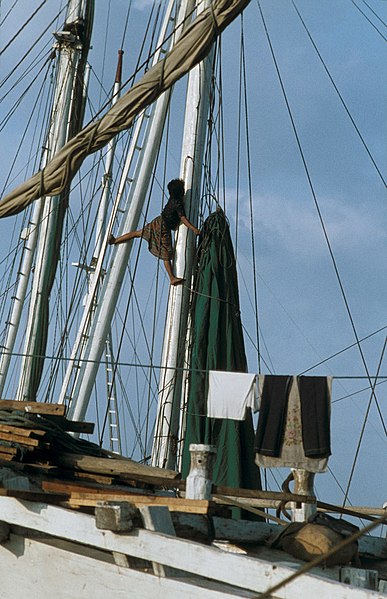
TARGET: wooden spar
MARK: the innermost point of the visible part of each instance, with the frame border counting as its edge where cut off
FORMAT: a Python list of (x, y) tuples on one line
[(65, 122), (86, 371), (164, 452)]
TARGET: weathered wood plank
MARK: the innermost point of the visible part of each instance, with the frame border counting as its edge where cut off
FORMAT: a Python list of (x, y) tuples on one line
[(24, 432), (7, 457), (112, 466), (33, 407), (238, 570), (71, 426), (255, 494), (194, 506), (20, 439), (158, 519), (33, 495)]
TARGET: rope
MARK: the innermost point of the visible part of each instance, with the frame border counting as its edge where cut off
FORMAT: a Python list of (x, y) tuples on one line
[(340, 96), (22, 27), (364, 424), (369, 20)]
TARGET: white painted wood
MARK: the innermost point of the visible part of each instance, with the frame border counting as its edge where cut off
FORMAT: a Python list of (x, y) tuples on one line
[(32, 569), (158, 519), (241, 571), (4, 531), (359, 577)]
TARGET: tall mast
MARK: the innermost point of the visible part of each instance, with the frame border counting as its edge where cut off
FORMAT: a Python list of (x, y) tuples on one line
[(170, 386), (90, 343), (72, 44)]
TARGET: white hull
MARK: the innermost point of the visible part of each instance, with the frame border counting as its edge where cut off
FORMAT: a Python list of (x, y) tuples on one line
[(62, 554)]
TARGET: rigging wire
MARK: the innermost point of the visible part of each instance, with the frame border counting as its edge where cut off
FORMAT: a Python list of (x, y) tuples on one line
[(339, 95), (369, 20), (15, 68), (376, 15), (364, 425), (22, 27), (248, 146), (8, 13), (342, 350), (316, 203)]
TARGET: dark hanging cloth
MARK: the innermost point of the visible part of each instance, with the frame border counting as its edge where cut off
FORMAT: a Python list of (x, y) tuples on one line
[(272, 415), (315, 415)]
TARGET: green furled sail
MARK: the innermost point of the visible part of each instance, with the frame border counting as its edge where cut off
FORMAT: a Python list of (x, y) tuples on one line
[(217, 344)]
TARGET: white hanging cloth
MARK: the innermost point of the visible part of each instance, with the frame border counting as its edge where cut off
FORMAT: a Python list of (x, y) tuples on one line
[(231, 393)]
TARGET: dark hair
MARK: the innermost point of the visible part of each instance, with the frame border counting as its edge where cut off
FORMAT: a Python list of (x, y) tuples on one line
[(176, 188)]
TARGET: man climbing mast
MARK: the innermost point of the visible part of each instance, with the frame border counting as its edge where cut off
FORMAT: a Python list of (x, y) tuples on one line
[(158, 231)]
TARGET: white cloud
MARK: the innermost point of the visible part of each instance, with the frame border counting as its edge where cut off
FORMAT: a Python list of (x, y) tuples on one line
[(293, 225)]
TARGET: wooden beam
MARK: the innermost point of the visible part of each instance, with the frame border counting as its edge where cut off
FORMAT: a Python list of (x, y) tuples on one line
[(255, 494), (192, 506), (112, 466), (33, 407), (20, 439)]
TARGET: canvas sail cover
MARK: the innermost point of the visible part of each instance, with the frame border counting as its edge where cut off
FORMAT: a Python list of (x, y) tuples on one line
[(192, 47), (217, 344)]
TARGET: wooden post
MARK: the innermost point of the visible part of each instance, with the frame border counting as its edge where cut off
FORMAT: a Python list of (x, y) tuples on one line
[(303, 485), (199, 480)]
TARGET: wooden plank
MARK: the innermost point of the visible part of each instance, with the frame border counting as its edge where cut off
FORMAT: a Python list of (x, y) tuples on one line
[(33, 407), (193, 506), (158, 519), (87, 476), (71, 426), (113, 466), (7, 457), (255, 494), (33, 495), (32, 568), (24, 432), (9, 450), (61, 486), (20, 440), (239, 571)]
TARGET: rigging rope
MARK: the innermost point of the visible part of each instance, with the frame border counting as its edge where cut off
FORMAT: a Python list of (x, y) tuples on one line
[(8, 13), (377, 16), (325, 233), (339, 95), (369, 20), (22, 27), (364, 424)]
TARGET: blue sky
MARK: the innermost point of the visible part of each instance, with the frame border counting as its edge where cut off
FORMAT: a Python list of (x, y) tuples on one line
[(302, 315)]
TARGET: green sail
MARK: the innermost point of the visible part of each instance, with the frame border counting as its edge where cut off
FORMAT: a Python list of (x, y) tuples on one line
[(217, 344)]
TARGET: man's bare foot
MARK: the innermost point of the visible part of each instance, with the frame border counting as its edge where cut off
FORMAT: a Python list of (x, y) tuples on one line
[(176, 281), (112, 240)]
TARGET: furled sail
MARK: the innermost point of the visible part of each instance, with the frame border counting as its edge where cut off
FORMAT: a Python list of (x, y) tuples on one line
[(192, 47), (217, 344)]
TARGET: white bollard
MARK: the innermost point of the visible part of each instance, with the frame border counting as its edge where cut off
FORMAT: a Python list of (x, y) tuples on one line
[(199, 481)]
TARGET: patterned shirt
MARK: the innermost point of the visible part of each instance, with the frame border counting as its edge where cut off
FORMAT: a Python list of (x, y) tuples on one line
[(173, 211)]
